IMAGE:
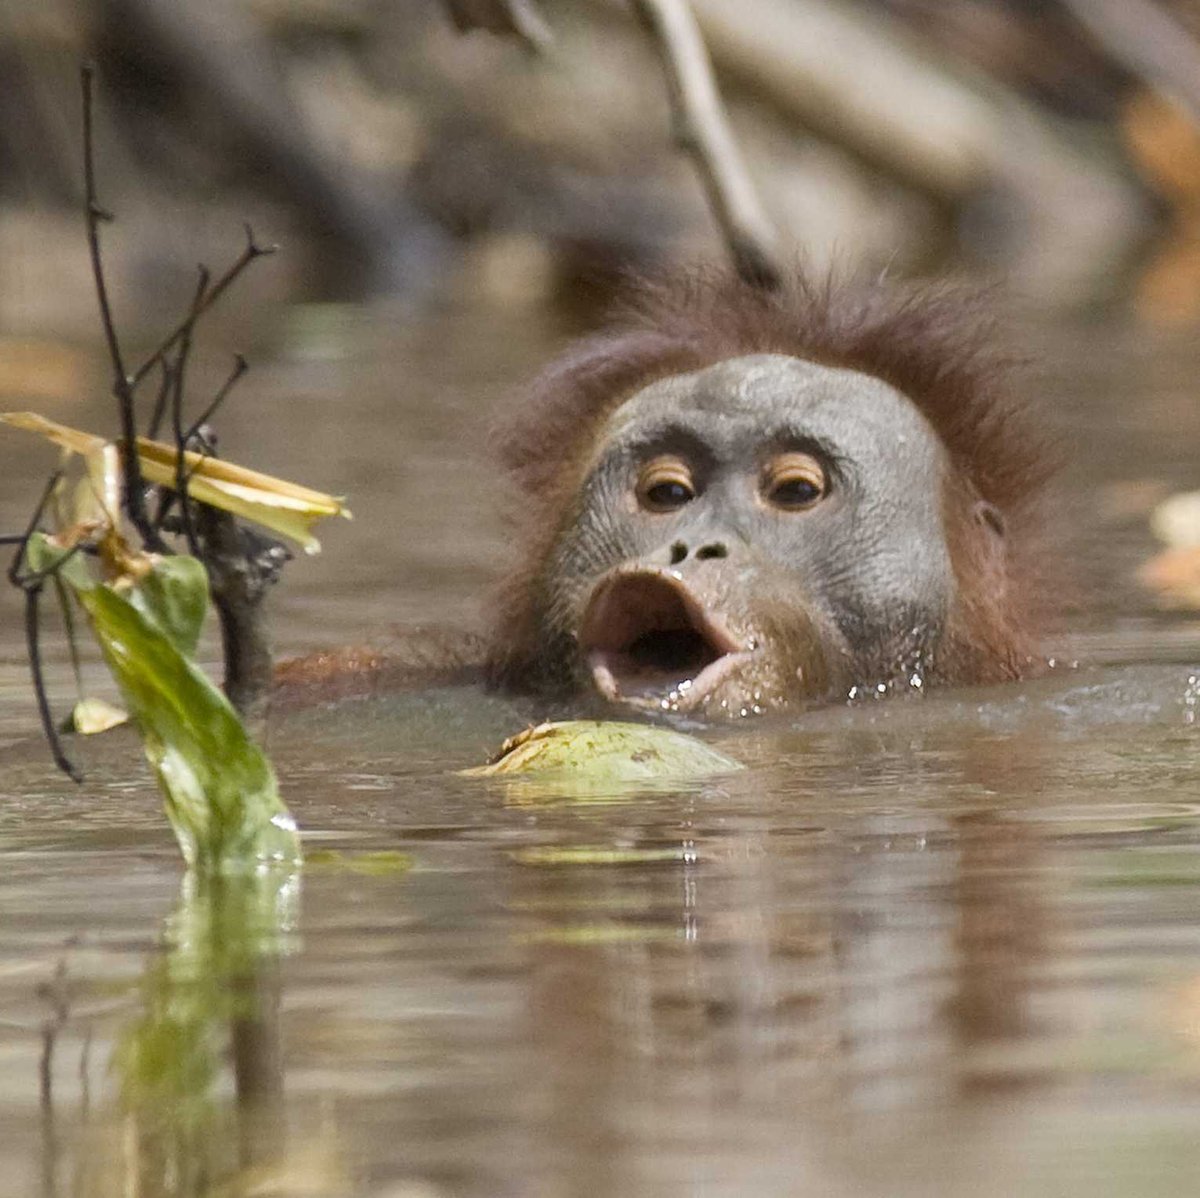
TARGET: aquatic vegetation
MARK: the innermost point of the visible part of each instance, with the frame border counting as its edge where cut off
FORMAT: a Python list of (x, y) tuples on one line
[(220, 791)]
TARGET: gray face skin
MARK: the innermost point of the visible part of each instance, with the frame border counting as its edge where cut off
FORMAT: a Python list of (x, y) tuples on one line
[(731, 587)]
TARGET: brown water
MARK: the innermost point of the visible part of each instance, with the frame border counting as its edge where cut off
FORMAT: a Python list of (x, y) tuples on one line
[(942, 946)]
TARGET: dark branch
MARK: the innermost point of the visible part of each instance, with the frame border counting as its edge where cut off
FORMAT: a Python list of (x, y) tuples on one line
[(33, 648), (134, 497), (14, 568), (181, 439), (160, 402), (68, 618), (240, 366), (242, 565), (251, 253)]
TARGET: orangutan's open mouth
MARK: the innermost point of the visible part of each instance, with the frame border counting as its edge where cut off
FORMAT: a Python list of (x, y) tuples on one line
[(645, 637)]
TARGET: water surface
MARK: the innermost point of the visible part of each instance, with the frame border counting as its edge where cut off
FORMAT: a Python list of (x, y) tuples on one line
[(941, 945)]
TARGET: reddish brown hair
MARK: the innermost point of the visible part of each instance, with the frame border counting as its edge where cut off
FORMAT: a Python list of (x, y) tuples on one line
[(935, 344)]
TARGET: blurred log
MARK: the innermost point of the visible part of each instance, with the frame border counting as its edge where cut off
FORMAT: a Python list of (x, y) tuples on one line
[(1164, 141), (225, 63), (861, 82), (1149, 42)]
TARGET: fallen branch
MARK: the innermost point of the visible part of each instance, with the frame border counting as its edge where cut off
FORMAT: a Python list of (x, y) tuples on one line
[(702, 131)]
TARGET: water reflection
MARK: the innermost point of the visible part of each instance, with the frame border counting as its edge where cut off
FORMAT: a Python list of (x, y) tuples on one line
[(940, 946), (891, 960)]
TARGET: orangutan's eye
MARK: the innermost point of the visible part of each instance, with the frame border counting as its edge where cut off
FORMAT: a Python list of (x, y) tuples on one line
[(793, 482), (665, 484)]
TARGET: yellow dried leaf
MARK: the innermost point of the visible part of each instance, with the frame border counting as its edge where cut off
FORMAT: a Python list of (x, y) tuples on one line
[(283, 507)]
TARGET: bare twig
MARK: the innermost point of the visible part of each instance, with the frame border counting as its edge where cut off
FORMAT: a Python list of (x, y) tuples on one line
[(160, 401), (179, 372), (133, 493), (240, 366), (197, 436), (702, 130), (251, 253), (31, 583), (514, 18), (16, 575)]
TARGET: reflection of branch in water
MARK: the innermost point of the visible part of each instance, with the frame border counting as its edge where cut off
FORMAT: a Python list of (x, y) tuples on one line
[(85, 1076), (56, 995), (999, 934), (258, 1064)]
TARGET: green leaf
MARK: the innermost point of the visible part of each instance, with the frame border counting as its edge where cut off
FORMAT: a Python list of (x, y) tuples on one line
[(43, 555), (174, 596), (221, 795)]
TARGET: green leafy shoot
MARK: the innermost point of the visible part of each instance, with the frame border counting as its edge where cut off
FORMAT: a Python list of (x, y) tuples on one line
[(221, 795)]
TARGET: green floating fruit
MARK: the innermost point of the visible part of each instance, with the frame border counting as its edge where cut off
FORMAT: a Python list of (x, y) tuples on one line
[(599, 753)]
